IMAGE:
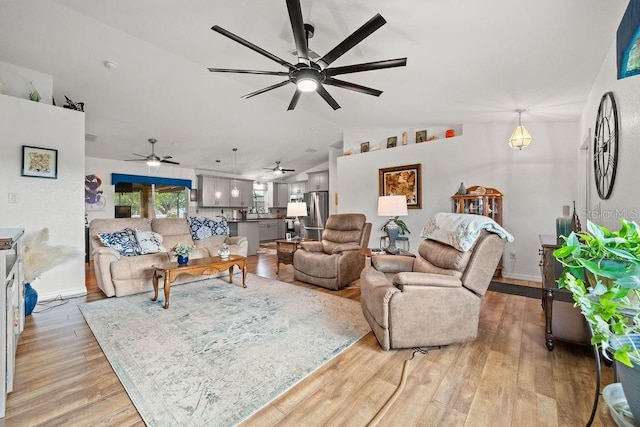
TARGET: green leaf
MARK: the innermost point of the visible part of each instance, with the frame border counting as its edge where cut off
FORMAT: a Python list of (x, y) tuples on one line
[(622, 355)]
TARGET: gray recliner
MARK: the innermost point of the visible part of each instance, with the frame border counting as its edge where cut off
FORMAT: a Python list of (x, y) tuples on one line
[(336, 261), (432, 299)]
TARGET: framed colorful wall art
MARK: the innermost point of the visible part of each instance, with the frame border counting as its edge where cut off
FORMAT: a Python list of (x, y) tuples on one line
[(405, 180)]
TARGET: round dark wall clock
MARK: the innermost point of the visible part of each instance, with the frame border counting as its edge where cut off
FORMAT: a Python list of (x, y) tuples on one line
[(605, 145)]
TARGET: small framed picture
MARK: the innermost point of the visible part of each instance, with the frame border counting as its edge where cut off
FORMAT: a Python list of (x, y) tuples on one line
[(288, 236), (39, 162), (364, 147), (421, 136), (392, 141)]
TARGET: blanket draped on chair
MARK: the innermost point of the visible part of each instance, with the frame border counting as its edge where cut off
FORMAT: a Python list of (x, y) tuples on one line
[(461, 230)]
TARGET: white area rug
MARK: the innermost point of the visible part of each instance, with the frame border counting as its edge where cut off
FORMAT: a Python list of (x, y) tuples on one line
[(220, 352)]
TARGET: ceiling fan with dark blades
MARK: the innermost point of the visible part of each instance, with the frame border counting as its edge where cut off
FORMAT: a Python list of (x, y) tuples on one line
[(279, 169), (310, 75), (152, 159)]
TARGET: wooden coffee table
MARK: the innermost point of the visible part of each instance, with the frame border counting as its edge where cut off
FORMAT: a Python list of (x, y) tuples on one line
[(196, 267)]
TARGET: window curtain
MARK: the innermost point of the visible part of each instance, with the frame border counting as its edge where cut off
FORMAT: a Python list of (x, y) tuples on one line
[(118, 178)]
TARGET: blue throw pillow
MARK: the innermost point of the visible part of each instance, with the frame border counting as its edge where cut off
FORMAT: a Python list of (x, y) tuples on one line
[(201, 227), (124, 242)]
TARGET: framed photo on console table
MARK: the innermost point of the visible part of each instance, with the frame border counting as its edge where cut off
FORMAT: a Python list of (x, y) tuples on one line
[(39, 162), (405, 180)]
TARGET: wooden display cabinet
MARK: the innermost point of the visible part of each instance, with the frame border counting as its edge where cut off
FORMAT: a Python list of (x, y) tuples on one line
[(480, 200)]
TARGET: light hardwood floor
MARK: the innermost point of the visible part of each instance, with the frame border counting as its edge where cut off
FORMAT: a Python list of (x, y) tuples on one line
[(505, 378)]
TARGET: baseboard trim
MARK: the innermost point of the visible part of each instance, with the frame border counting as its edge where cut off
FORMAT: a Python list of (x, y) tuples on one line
[(67, 293), (522, 277)]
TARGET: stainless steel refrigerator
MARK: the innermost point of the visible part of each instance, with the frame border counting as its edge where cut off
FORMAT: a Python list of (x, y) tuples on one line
[(317, 213)]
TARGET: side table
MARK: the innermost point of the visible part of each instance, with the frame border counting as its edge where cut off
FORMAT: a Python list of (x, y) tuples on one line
[(368, 252), (400, 240), (285, 250)]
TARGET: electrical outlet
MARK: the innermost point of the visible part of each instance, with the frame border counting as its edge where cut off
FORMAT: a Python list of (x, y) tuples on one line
[(512, 255), (13, 197)]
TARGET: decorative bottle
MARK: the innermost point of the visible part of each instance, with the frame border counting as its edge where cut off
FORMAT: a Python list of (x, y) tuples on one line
[(563, 223), (576, 227), (462, 189)]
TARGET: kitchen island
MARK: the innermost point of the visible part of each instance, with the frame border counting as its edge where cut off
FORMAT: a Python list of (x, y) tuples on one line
[(250, 228)]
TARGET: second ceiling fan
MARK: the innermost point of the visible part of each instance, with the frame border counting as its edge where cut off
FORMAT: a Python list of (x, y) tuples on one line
[(279, 170), (309, 75)]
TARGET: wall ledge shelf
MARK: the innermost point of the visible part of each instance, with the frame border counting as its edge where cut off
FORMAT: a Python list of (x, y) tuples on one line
[(430, 134)]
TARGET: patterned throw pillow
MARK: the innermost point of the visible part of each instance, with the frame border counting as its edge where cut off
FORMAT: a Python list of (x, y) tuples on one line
[(124, 242), (201, 228), (149, 242)]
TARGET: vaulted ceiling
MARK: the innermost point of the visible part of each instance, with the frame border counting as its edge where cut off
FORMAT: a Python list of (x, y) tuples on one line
[(469, 61)]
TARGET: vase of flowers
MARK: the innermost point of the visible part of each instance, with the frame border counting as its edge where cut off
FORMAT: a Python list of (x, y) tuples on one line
[(38, 257), (182, 251)]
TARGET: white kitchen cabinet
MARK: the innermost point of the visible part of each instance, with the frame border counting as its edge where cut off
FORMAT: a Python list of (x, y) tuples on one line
[(214, 191), (297, 190), (12, 303), (270, 229), (245, 199), (278, 195), (318, 181)]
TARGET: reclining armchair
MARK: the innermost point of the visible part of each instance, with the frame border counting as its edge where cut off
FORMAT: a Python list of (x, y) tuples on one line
[(432, 299), (335, 261)]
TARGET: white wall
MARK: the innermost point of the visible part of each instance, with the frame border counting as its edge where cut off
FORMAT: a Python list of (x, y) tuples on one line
[(625, 197), (536, 182), (53, 203), (17, 82)]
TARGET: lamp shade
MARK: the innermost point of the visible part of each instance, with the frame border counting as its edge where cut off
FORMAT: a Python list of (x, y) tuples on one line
[(392, 206), (521, 138), (297, 209)]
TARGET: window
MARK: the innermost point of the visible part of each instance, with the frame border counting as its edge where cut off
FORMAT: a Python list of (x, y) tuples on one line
[(167, 201), (152, 197)]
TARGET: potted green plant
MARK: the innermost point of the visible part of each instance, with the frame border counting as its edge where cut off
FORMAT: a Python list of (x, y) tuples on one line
[(602, 271), (182, 251), (402, 226)]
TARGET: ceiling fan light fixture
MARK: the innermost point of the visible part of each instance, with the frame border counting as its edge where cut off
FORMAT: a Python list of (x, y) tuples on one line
[(153, 163), (307, 84), (307, 79), (521, 138), (278, 172)]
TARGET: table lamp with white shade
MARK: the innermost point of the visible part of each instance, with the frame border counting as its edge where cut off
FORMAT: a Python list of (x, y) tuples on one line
[(392, 207), (296, 209)]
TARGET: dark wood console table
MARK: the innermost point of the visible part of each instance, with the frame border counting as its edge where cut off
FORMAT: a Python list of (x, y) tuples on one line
[(563, 321)]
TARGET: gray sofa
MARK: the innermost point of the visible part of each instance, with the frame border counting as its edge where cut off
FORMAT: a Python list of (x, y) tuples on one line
[(119, 275)]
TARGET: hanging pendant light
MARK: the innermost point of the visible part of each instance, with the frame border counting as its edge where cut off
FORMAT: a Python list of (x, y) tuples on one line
[(521, 137), (235, 193)]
